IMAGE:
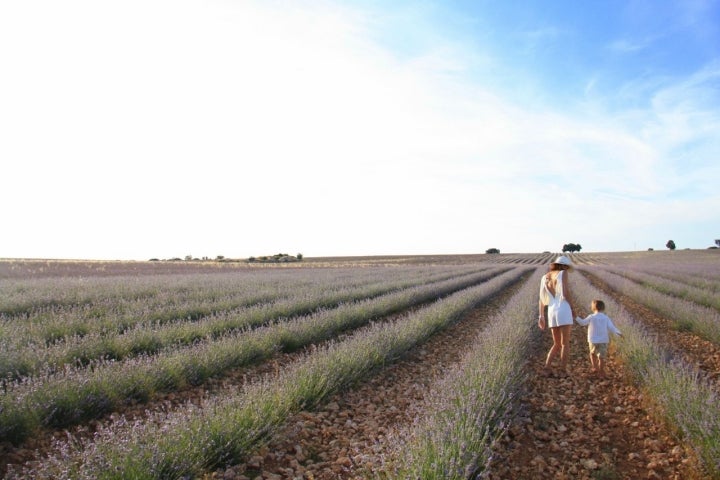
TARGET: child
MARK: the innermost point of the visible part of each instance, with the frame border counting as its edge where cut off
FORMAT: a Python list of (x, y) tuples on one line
[(598, 335)]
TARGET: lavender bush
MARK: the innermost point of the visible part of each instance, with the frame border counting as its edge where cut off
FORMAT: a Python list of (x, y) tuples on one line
[(469, 406), (73, 395), (686, 399), (707, 297), (179, 320), (187, 443), (685, 315)]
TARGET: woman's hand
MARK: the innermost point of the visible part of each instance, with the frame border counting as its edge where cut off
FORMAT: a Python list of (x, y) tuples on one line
[(541, 323)]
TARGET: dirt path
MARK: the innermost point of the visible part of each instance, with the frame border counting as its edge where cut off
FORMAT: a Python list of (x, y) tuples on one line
[(584, 427), (346, 438)]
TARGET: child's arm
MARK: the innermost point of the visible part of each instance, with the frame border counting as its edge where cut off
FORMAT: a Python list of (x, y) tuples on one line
[(613, 328), (582, 321)]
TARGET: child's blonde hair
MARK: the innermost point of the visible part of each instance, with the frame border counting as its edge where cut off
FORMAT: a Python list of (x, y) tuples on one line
[(598, 305)]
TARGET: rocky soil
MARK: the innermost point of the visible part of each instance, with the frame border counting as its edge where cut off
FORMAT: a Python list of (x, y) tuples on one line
[(580, 426), (349, 436), (570, 426), (34, 449)]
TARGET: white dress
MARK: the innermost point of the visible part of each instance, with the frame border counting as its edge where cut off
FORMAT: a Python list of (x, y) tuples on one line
[(559, 312)]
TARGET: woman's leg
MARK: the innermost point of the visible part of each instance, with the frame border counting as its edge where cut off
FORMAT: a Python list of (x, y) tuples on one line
[(564, 333), (556, 348)]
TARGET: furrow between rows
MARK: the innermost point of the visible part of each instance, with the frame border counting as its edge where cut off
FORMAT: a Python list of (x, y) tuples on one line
[(224, 431), (79, 395), (357, 430), (693, 349)]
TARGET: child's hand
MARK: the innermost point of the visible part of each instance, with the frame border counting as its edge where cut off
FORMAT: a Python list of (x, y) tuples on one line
[(577, 319)]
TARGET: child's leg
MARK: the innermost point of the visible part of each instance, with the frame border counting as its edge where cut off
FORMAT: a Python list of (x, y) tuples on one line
[(592, 362), (602, 353)]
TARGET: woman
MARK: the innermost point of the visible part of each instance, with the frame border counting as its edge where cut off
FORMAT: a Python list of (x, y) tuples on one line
[(555, 295)]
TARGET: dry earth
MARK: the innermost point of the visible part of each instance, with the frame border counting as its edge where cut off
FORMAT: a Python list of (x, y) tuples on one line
[(346, 438), (576, 426), (580, 426)]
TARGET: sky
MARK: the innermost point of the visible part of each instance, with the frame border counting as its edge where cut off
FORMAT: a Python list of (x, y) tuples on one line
[(165, 128)]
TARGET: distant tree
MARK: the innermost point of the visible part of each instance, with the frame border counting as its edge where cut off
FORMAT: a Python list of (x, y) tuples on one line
[(277, 258), (188, 258), (492, 250), (651, 249), (571, 247), (671, 245), (220, 257)]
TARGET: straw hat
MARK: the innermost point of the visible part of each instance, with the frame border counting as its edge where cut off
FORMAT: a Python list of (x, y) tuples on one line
[(563, 260)]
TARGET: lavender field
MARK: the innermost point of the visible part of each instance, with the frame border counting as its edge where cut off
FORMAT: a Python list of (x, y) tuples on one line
[(358, 367)]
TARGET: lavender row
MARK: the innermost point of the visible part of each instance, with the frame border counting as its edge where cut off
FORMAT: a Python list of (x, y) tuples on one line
[(663, 284), (76, 395), (21, 357), (22, 296), (693, 275), (685, 315), (188, 443), (117, 304), (474, 399), (686, 399)]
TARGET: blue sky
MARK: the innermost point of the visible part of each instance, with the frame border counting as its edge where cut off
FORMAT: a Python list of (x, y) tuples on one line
[(159, 128)]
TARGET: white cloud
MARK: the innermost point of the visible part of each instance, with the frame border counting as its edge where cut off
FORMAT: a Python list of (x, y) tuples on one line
[(162, 128), (688, 109), (626, 45)]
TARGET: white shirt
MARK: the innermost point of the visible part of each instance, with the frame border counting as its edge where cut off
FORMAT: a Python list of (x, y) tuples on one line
[(600, 326)]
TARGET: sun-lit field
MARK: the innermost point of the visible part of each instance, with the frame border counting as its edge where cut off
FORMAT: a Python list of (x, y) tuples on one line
[(198, 369)]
